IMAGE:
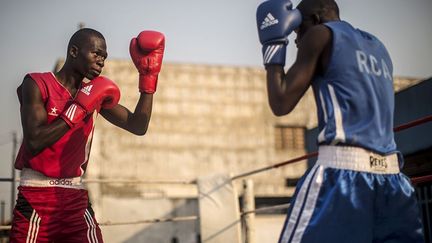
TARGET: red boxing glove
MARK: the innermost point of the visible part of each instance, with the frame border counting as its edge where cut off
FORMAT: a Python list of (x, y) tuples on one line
[(147, 52), (100, 91)]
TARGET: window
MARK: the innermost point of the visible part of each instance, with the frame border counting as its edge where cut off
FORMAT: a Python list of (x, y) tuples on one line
[(288, 137)]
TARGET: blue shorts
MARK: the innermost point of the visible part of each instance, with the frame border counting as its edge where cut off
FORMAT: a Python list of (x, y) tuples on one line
[(353, 195)]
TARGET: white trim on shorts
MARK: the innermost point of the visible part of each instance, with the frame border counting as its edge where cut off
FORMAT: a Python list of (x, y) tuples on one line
[(91, 227), (33, 229), (307, 196), (357, 159), (34, 178)]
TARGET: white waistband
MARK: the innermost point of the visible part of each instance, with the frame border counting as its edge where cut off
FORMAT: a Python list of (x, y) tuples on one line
[(33, 178), (358, 159)]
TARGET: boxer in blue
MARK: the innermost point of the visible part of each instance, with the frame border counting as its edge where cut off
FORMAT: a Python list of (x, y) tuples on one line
[(355, 192)]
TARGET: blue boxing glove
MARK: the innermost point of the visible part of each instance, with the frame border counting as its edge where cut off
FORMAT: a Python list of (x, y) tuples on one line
[(275, 21)]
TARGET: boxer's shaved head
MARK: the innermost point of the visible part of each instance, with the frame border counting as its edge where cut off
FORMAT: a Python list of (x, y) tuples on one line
[(325, 9), (315, 12), (82, 36)]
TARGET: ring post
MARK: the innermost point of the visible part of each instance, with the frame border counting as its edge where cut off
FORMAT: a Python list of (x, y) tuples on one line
[(249, 211)]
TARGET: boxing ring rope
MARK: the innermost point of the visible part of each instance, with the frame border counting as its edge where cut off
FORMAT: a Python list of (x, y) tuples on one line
[(122, 181), (191, 218), (415, 180), (421, 179), (125, 181), (269, 208), (252, 172), (151, 221), (314, 154), (413, 123)]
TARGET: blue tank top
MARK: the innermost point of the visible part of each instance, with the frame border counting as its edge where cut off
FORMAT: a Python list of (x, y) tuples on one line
[(355, 96)]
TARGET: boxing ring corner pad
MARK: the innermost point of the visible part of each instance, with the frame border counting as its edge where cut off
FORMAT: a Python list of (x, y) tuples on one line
[(219, 210)]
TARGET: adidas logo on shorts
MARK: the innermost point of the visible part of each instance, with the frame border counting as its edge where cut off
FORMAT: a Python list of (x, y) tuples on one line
[(86, 89), (268, 21)]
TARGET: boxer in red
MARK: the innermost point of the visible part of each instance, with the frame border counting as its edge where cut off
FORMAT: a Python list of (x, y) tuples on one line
[(58, 112)]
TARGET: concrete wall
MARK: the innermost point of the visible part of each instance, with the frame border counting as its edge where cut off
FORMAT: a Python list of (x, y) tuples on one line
[(206, 119)]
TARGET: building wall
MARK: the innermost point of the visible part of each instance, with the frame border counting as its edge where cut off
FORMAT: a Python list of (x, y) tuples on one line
[(206, 119)]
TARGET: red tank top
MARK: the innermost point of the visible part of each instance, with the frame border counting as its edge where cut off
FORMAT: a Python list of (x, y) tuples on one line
[(68, 157)]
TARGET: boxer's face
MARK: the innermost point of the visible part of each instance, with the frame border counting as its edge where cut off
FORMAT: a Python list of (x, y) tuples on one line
[(91, 57)]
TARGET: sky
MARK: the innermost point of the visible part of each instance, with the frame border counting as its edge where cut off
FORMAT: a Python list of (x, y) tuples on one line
[(34, 35)]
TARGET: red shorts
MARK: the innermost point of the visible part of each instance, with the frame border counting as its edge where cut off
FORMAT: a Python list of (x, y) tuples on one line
[(53, 214)]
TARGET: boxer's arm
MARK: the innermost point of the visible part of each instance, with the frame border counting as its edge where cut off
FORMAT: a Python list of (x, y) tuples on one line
[(37, 134), (285, 89), (136, 122), (146, 50)]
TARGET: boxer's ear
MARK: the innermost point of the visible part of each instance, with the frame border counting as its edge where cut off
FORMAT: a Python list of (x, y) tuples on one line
[(73, 51), (316, 19)]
